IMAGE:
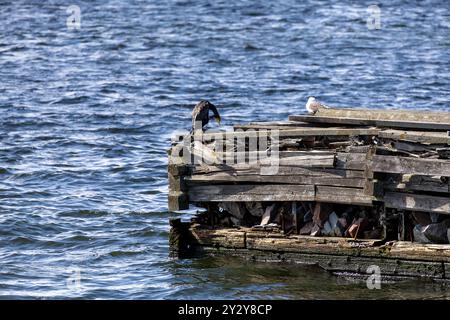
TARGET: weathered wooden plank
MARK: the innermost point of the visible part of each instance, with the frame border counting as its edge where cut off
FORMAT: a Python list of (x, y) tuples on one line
[(342, 162), (316, 119), (309, 132), (342, 195), (416, 202), (405, 165), (352, 161), (213, 171), (267, 153), (415, 183), (305, 244), (319, 161), (216, 193), (418, 251), (281, 125), (416, 136), (346, 247), (385, 114), (401, 123), (220, 178), (227, 238), (300, 132), (349, 161), (317, 158)]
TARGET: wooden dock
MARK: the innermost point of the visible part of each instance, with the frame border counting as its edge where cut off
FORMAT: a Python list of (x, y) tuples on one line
[(342, 188)]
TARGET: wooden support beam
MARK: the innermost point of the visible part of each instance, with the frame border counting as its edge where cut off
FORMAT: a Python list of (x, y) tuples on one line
[(178, 201), (177, 198), (416, 202)]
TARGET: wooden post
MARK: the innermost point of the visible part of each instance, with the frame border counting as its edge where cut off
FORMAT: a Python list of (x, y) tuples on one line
[(179, 238), (177, 199)]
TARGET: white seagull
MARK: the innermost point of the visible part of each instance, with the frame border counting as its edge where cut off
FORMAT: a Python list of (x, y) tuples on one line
[(312, 106)]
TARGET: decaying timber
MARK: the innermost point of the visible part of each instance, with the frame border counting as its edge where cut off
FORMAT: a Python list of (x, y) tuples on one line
[(341, 188), (395, 258)]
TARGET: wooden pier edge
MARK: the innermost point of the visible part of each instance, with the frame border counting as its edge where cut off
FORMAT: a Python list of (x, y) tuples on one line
[(396, 259)]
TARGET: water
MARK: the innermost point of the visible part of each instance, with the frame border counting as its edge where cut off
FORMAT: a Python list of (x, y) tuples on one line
[(86, 117)]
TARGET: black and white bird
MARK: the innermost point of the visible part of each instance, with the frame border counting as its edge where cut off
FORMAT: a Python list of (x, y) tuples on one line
[(200, 115), (312, 105)]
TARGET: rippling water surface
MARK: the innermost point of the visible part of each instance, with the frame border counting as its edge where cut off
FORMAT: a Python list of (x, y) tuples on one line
[(86, 116)]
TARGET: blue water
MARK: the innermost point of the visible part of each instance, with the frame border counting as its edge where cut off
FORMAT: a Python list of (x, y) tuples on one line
[(86, 118)]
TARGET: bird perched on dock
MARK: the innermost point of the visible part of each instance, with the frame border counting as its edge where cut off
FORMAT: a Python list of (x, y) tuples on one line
[(312, 105), (201, 114)]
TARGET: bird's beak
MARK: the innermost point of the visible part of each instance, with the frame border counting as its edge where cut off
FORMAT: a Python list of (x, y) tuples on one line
[(218, 120)]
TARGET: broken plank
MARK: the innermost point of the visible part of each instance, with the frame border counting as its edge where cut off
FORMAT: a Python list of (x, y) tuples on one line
[(217, 193)]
